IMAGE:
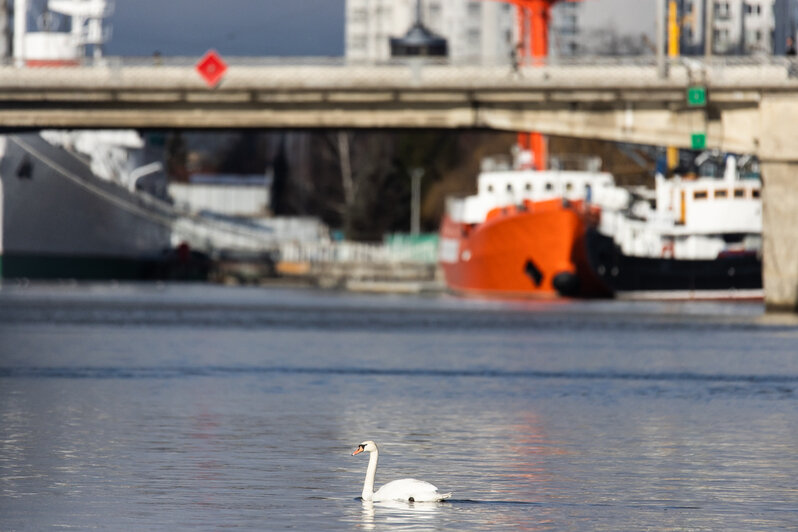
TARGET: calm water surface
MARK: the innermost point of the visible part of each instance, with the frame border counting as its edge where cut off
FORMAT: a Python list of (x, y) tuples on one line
[(143, 407)]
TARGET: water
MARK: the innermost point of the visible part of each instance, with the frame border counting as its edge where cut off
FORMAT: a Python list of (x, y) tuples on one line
[(143, 407)]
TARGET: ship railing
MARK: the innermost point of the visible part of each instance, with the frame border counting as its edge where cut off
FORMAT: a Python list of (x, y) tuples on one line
[(215, 236)]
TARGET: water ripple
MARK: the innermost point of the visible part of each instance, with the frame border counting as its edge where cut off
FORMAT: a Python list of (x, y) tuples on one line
[(170, 372)]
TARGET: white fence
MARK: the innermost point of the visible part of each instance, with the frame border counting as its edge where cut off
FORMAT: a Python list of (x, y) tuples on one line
[(357, 253)]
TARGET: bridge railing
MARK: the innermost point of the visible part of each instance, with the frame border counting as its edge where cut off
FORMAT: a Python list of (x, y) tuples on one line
[(331, 72)]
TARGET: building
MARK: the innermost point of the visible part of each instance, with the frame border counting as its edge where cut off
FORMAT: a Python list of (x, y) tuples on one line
[(743, 26), (476, 30), (565, 33), (739, 27)]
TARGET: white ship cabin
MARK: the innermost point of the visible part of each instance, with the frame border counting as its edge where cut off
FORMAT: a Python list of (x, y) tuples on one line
[(66, 31), (500, 186), (691, 218)]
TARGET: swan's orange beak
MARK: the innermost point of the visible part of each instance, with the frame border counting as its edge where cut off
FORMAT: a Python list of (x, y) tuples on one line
[(358, 450)]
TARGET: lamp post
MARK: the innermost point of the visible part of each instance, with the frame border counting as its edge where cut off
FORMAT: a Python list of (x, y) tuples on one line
[(415, 200), (662, 66)]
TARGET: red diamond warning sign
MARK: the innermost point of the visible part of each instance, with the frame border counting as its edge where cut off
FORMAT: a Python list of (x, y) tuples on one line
[(211, 68)]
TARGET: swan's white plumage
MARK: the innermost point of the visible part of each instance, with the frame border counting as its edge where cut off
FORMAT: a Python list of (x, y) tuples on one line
[(406, 489)]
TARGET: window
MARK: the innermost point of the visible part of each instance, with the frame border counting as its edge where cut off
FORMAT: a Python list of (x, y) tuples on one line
[(569, 186), (700, 194), (755, 193), (739, 192), (722, 10), (721, 193), (490, 188), (528, 187), (473, 36), (509, 187), (357, 42), (549, 186)]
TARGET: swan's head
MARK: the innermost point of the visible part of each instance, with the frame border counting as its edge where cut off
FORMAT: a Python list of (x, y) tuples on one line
[(368, 446)]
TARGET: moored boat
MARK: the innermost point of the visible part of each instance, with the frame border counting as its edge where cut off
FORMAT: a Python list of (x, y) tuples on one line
[(522, 234), (91, 204), (689, 238), (60, 218)]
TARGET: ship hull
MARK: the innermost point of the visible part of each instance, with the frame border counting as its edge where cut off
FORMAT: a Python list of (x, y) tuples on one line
[(734, 276), (529, 252), (59, 220)]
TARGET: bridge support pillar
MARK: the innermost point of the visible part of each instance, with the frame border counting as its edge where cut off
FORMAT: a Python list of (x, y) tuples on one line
[(778, 153), (780, 233)]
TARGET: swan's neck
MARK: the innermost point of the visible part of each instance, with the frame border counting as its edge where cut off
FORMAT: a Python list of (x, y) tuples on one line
[(371, 472)]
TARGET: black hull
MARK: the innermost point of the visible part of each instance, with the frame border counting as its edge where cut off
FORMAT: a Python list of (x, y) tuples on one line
[(625, 274)]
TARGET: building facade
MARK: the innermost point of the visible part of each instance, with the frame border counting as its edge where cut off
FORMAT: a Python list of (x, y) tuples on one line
[(739, 27), (565, 33), (476, 30)]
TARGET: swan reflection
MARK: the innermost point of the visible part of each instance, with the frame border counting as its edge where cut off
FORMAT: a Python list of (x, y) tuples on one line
[(397, 512)]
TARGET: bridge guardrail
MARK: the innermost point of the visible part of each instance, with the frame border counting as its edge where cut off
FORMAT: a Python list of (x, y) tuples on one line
[(251, 73)]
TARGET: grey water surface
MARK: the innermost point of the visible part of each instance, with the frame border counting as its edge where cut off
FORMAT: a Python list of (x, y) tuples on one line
[(170, 407)]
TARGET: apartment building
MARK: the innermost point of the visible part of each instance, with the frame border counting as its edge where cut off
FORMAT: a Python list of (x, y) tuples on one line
[(739, 27), (476, 30)]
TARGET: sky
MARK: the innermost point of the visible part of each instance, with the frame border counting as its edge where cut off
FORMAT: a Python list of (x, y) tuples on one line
[(231, 27), (627, 16), (284, 27)]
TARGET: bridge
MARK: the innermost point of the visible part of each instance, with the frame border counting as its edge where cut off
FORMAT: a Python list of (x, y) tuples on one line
[(622, 100), (748, 105)]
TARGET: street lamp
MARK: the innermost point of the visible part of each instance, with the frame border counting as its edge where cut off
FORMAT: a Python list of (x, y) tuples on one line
[(415, 200)]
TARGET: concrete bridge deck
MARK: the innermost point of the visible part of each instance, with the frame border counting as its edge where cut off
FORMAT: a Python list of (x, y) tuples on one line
[(604, 98), (751, 107)]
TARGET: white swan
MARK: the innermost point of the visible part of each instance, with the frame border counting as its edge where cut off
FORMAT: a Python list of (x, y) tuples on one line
[(406, 489)]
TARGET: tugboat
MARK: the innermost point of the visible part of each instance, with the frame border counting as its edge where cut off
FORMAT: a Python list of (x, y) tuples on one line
[(689, 238), (522, 234)]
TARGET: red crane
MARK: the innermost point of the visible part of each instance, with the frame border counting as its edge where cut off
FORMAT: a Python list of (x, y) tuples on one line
[(533, 32)]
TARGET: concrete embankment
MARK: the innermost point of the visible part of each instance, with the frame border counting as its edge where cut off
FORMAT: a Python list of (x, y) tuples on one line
[(383, 278), (405, 278)]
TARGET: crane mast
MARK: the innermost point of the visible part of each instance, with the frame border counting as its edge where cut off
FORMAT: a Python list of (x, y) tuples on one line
[(533, 18)]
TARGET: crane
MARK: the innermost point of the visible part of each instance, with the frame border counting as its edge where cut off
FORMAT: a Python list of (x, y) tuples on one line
[(533, 34)]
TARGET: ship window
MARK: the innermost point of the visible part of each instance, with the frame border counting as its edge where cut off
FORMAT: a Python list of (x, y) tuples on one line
[(755, 193), (739, 192), (721, 193), (509, 187), (528, 187), (549, 186), (700, 194), (490, 188), (569, 186)]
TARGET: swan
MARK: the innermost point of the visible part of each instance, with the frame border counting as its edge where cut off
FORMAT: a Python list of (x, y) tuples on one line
[(406, 489)]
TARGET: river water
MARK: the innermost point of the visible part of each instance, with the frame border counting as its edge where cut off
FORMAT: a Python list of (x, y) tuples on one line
[(168, 407)]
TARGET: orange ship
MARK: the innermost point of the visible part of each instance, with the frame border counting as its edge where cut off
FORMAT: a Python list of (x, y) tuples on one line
[(522, 234)]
